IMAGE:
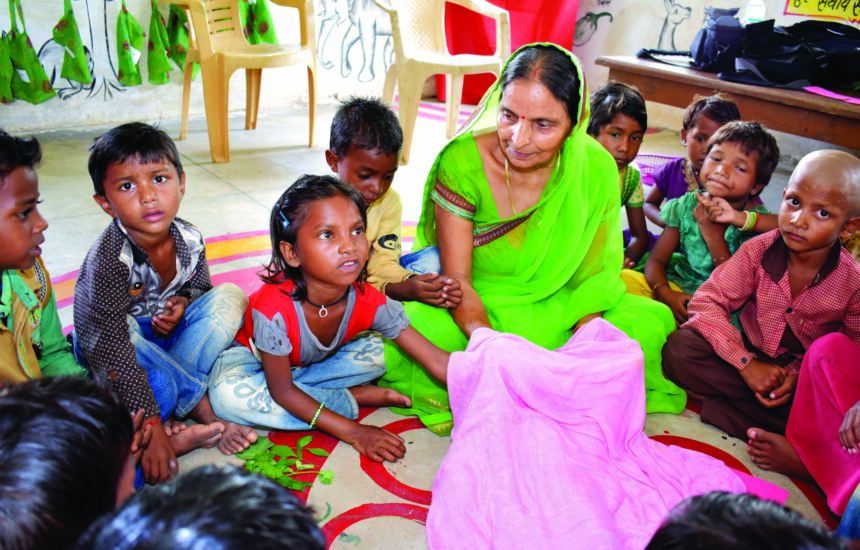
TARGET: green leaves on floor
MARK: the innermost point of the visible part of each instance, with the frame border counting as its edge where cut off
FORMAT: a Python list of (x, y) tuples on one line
[(283, 463)]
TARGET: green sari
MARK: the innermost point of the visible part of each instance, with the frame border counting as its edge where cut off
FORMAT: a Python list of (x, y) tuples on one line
[(538, 272)]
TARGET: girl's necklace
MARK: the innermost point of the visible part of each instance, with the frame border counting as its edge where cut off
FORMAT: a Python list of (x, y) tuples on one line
[(323, 312), (508, 185)]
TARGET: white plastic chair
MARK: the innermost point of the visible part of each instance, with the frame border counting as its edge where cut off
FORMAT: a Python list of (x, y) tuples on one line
[(420, 51), (221, 49)]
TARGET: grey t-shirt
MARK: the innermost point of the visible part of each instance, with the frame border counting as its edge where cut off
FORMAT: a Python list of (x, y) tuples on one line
[(270, 336)]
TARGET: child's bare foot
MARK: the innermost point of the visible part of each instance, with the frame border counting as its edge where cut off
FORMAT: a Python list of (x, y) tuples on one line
[(773, 452), (197, 436), (374, 396), (236, 438)]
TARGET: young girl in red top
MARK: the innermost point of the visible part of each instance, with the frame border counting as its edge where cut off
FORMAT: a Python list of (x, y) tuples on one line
[(304, 358)]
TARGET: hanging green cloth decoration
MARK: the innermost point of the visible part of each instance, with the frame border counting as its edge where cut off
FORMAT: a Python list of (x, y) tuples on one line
[(129, 46), (178, 35), (25, 62), (67, 35), (157, 57), (6, 71), (257, 22)]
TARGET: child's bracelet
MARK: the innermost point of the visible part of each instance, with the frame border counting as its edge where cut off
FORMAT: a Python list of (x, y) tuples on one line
[(721, 259), (632, 255), (316, 415), (151, 421), (658, 285), (750, 221)]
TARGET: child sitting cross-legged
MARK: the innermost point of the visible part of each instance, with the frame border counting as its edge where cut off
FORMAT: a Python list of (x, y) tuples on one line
[(304, 358), (793, 286), (32, 344), (618, 122), (147, 318), (741, 159), (364, 151)]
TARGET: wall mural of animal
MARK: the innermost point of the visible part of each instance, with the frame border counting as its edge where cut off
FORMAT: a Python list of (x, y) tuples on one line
[(675, 15), (98, 46), (352, 22)]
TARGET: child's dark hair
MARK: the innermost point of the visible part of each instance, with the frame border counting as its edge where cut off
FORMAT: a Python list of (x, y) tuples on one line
[(132, 141), (216, 507), (738, 521), (289, 214), (64, 444), (720, 108), (751, 137), (612, 99), (16, 152), (365, 123)]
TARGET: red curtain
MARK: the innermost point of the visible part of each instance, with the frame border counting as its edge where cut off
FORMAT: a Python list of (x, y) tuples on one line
[(531, 21)]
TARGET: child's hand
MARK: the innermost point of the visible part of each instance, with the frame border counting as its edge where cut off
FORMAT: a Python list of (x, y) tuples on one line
[(780, 395), (435, 290), (707, 225), (159, 461), (628, 263), (174, 309), (763, 378), (720, 211), (849, 432), (142, 435), (377, 444), (677, 302)]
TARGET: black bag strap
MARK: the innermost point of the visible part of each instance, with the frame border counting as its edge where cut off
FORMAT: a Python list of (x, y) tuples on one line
[(664, 56)]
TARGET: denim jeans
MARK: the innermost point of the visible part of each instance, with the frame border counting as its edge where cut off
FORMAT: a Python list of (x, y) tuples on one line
[(178, 367), (238, 392), (849, 527), (422, 261)]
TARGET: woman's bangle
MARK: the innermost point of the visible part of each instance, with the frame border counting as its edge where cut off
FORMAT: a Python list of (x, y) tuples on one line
[(316, 415), (632, 255), (658, 285)]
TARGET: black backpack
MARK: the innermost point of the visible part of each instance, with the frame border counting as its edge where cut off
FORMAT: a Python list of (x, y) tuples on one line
[(714, 48)]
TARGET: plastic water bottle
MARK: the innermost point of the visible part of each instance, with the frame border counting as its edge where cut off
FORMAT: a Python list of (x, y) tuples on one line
[(755, 11)]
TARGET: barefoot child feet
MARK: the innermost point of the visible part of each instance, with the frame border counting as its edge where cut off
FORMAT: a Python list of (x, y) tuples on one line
[(774, 453), (147, 317), (309, 324)]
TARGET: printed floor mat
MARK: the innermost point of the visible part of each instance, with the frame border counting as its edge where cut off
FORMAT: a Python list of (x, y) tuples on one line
[(372, 505)]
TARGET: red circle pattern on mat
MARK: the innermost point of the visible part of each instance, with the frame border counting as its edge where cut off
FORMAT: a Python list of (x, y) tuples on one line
[(382, 477), (337, 525)]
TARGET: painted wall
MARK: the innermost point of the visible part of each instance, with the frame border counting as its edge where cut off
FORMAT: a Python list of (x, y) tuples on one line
[(354, 47)]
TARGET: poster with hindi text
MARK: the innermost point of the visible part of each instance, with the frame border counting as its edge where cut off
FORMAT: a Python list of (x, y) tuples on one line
[(846, 11)]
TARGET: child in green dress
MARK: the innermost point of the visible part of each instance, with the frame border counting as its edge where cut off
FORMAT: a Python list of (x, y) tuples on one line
[(740, 161), (618, 122)]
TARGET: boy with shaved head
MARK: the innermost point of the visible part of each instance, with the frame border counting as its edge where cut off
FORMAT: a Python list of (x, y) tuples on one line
[(798, 292), (823, 433)]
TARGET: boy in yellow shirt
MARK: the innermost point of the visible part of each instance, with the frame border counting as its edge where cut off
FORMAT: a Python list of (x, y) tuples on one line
[(364, 151)]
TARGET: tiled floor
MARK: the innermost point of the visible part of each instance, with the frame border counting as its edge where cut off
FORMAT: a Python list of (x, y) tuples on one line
[(236, 198)]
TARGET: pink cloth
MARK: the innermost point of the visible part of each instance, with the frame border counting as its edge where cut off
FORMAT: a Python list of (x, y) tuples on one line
[(548, 450), (829, 385)]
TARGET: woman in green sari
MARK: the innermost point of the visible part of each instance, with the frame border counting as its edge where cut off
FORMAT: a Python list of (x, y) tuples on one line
[(525, 209)]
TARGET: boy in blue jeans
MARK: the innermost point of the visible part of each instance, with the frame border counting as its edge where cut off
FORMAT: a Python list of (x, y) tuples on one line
[(146, 315), (364, 151)]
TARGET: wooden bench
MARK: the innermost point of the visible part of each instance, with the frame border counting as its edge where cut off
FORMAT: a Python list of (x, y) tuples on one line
[(794, 112)]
